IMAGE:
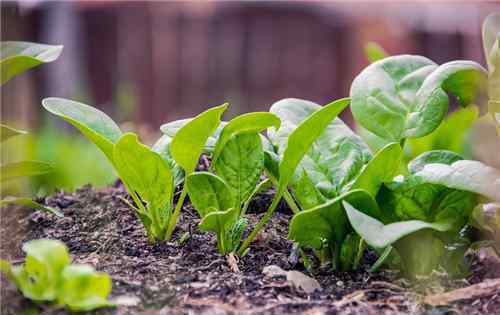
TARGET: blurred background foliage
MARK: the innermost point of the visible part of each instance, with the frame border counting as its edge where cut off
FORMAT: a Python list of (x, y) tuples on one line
[(146, 63)]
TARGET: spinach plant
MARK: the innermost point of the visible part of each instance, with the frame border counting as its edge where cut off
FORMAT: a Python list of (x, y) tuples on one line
[(491, 45), (222, 199), (47, 275), (149, 175), (297, 145)]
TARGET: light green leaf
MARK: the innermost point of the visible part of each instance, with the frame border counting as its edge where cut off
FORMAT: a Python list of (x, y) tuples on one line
[(382, 168), (240, 164), (333, 153), (378, 235), (208, 192), (189, 141), (84, 289), (7, 132), (465, 175), (29, 203), (218, 221), (261, 187), (406, 96), (23, 169), (148, 174), (94, 124), (374, 52), (170, 129), (162, 147), (17, 57), (39, 277), (435, 156), (249, 123), (327, 222)]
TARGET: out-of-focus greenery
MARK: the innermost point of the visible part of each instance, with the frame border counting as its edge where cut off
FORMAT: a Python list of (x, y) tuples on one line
[(75, 161)]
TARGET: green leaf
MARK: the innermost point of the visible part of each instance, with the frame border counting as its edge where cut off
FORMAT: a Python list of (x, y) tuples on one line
[(311, 139), (190, 139), (148, 174), (406, 96), (23, 169), (29, 203), (250, 123), (94, 124), (240, 164), (374, 52), (382, 168), (378, 235), (7, 132), (170, 129), (307, 195), (208, 192), (218, 221), (435, 156), (84, 289), (39, 277), (17, 57), (451, 135), (327, 222), (465, 175), (162, 147)]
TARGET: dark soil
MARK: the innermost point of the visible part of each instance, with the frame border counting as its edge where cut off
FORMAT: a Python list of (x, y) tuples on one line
[(192, 278)]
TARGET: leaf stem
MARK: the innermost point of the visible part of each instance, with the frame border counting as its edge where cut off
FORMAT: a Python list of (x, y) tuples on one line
[(267, 216), (291, 202), (175, 216)]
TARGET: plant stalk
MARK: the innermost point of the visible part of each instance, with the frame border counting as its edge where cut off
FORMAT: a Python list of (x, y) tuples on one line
[(175, 216), (291, 202), (267, 216)]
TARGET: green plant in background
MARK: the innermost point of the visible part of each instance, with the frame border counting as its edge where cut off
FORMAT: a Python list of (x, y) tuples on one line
[(222, 199), (48, 276), (149, 175), (17, 57)]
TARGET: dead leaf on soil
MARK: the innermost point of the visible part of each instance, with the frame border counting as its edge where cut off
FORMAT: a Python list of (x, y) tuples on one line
[(296, 278), (232, 261), (485, 288)]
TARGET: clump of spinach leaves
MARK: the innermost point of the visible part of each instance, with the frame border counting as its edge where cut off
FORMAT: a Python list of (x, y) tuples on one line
[(222, 199), (150, 175), (47, 275)]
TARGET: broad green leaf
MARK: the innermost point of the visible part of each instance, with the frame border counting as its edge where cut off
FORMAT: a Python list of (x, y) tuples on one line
[(307, 195), (329, 152), (382, 168), (375, 52), (435, 156), (327, 222), (240, 165), (84, 289), (39, 277), (190, 139), (208, 192), (218, 221), (29, 203), (465, 175), (94, 124), (450, 135), (378, 235), (170, 129), (162, 147), (7, 132), (23, 169), (17, 57), (414, 198), (146, 173), (406, 96), (250, 123)]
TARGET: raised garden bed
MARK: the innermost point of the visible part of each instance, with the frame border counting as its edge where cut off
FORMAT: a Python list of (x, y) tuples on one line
[(192, 278)]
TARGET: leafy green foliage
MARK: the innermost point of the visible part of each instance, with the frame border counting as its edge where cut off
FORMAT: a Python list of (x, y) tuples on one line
[(29, 203), (407, 96), (48, 276), (22, 169), (17, 57), (374, 52), (238, 160), (298, 144), (147, 174)]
